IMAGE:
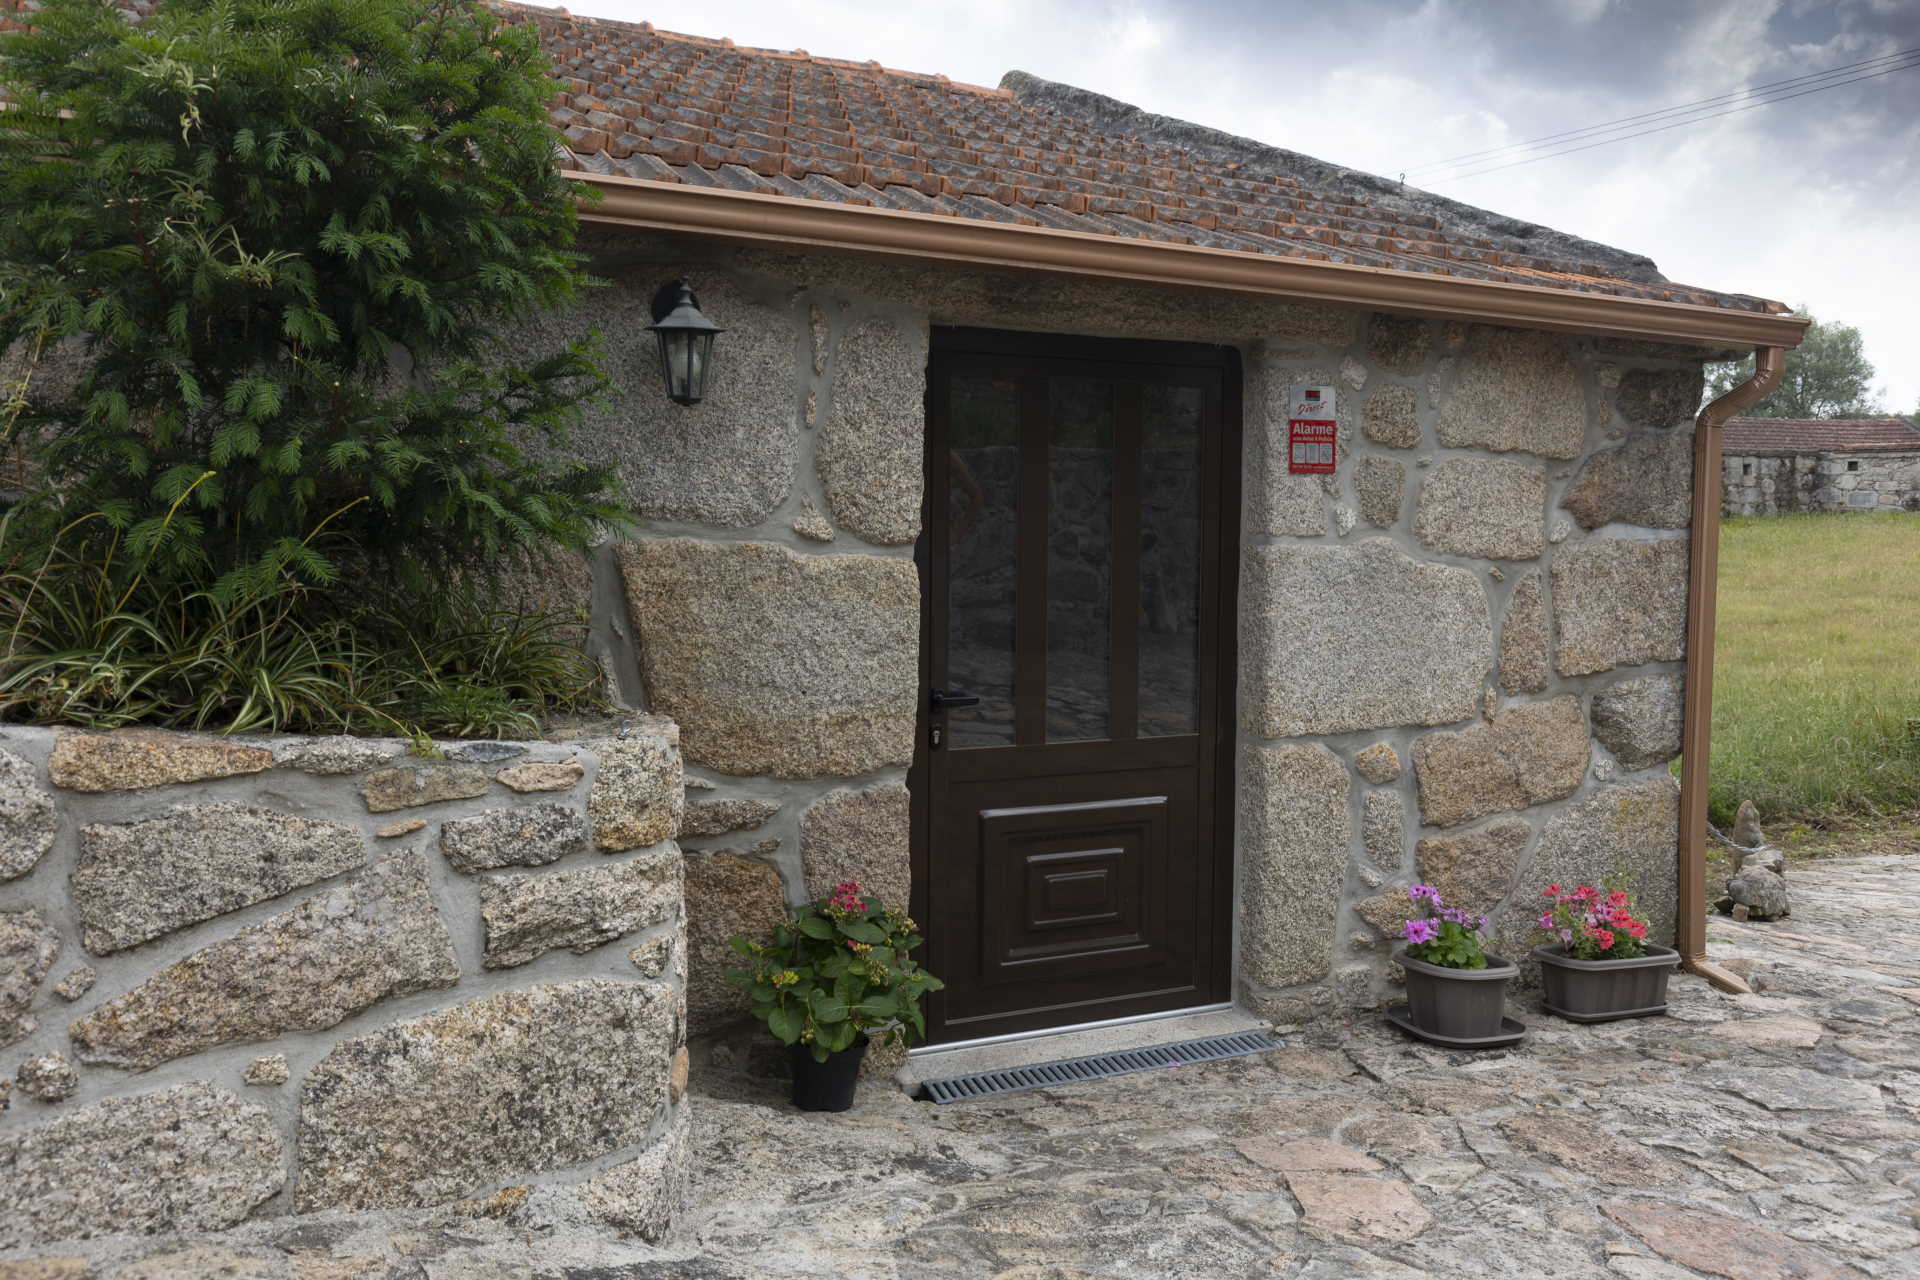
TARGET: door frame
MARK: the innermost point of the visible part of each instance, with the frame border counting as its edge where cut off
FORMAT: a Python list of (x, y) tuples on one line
[(1222, 521)]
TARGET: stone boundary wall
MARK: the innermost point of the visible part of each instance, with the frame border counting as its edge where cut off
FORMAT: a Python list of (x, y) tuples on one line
[(1765, 484), (246, 976), (1461, 655)]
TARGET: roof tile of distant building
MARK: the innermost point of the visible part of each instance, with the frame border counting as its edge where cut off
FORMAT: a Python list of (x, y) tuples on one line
[(1820, 435)]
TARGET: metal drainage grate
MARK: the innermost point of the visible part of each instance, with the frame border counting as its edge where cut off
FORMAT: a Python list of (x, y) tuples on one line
[(1098, 1066)]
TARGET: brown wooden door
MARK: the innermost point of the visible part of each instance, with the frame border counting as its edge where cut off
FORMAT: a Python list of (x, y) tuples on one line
[(1073, 851)]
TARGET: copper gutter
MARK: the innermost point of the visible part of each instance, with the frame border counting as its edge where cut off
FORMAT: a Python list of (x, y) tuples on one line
[(1690, 922), (754, 218)]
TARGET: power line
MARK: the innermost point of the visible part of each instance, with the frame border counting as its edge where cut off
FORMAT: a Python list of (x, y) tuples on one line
[(1610, 125), (1752, 106)]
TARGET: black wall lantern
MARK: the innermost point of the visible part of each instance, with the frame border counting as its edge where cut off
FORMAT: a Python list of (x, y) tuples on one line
[(686, 341)]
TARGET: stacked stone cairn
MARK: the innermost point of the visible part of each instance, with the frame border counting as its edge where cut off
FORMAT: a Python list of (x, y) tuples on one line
[(242, 977), (1757, 890)]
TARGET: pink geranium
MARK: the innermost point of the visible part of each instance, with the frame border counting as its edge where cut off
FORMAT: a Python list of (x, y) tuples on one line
[(1595, 924), (1443, 935)]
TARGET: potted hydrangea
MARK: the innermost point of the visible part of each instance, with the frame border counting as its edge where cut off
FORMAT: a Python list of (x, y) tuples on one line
[(835, 973), (1600, 965), (1456, 988)]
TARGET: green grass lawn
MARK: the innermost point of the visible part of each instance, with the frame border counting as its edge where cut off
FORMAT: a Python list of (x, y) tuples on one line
[(1816, 694)]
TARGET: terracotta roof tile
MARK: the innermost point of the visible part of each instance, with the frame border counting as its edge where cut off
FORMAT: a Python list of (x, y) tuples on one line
[(1820, 435), (708, 112), (634, 101)]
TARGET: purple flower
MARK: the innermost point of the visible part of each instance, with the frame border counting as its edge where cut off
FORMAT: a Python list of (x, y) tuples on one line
[(1418, 931), (1425, 892)]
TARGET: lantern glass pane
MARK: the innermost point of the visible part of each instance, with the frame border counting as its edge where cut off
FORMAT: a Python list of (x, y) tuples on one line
[(665, 340), (698, 351)]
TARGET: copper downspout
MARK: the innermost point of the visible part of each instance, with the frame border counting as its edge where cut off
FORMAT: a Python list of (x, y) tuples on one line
[(1690, 924)]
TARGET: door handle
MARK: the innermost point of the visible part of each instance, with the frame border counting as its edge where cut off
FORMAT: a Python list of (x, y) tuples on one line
[(944, 701)]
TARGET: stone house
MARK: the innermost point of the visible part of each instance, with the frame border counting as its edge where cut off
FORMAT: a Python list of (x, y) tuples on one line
[(1003, 412), (1770, 465), (1142, 551)]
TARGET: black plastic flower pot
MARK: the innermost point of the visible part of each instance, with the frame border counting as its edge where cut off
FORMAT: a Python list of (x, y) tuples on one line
[(829, 1085), (1457, 1005), (1602, 990)]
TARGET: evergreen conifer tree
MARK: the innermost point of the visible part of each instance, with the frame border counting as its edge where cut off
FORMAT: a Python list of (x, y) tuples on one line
[(293, 237)]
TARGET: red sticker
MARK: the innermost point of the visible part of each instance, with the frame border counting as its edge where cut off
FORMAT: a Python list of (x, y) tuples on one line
[(1311, 446)]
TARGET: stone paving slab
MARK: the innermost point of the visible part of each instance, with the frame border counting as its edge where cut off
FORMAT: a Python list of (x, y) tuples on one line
[(1774, 1136)]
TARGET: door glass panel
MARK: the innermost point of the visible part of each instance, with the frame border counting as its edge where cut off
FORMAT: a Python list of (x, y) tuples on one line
[(1170, 559), (983, 500), (1079, 558)]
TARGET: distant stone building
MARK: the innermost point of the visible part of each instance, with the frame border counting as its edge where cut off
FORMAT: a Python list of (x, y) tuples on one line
[(1770, 465)]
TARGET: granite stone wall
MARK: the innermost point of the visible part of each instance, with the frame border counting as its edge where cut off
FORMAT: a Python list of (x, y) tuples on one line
[(1460, 655), (766, 597), (1766, 484), (244, 976)]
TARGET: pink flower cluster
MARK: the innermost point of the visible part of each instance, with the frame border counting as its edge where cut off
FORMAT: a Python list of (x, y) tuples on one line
[(846, 896), (1597, 919)]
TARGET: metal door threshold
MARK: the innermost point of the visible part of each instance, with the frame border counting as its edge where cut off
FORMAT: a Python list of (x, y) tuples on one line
[(1012, 1037), (1047, 1075)]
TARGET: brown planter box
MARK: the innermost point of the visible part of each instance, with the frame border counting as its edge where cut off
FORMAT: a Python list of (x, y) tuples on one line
[(1459, 1005), (1602, 990)]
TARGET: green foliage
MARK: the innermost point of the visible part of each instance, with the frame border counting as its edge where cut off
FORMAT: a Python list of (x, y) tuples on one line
[(1456, 947), (93, 639), (296, 236), (1816, 694), (839, 968), (1827, 376), (1442, 935)]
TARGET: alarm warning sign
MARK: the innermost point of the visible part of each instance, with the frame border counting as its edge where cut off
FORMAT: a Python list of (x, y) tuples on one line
[(1312, 433)]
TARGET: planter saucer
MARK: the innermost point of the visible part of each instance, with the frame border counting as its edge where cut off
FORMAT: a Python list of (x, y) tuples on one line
[(1511, 1032), (1652, 1010)]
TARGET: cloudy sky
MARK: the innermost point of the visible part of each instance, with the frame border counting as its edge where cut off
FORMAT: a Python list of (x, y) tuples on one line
[(1812, 201)]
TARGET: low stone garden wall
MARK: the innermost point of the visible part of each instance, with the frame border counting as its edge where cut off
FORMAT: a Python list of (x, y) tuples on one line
[(244, 976)]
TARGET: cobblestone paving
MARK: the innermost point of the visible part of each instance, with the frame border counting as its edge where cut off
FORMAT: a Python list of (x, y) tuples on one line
[(1762, 1137)]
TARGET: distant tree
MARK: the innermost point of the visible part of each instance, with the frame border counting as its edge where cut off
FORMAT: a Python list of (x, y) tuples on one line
[(1827, 376)]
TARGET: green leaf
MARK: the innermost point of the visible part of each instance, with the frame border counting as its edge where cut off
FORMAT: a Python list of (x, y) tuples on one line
[(878, 1006), (815, 927), (864, 931), (786, 1025), (825, 1007)]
